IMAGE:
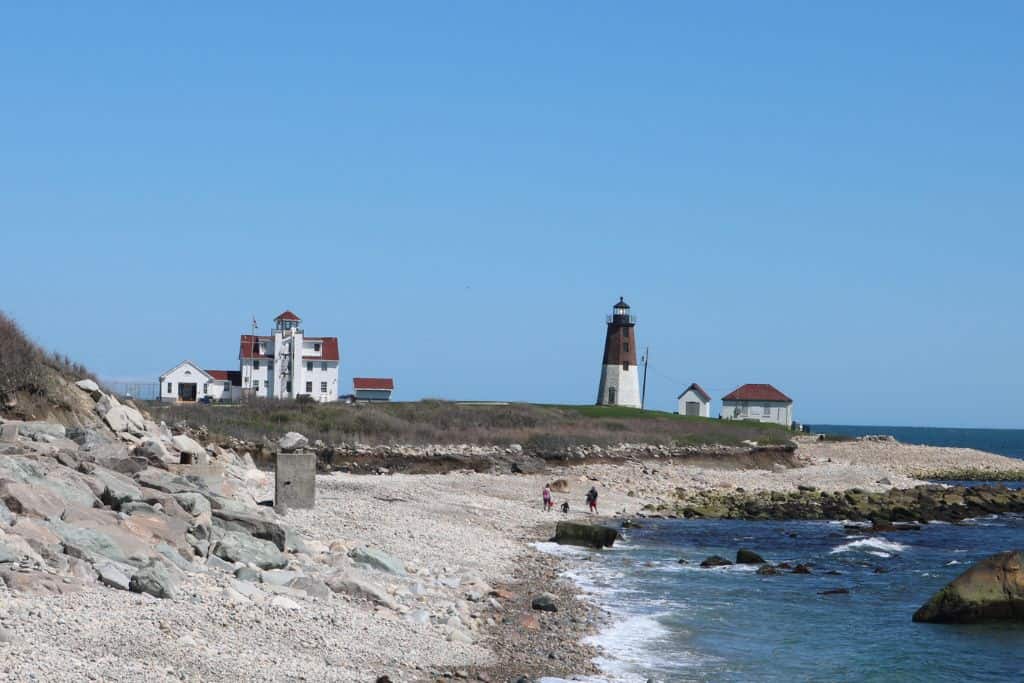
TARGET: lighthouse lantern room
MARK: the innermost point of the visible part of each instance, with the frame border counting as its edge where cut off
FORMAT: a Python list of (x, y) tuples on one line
[(620, 380)]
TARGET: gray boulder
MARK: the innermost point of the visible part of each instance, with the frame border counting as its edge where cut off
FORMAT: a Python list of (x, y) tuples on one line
[(113, 576), (152, 451), (241, 547), (90, 387), (292, 441), (377, 559), (154, 579), (992, 589), (117, 488), (189, 447), (311, 586), (116, 418), (590, 535), (545, 602), (8, 554), (251, 524), (34, 501), (357, 587)]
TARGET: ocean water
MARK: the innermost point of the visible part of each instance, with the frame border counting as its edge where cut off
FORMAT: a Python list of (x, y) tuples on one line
[(678, 622), (1009, 442)]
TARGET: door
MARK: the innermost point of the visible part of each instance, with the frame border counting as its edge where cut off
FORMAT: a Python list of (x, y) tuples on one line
[(611, 396), (187, 392), (693, 408)]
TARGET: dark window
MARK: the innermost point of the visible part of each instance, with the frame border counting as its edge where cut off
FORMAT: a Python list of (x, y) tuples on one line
[(255, 365), (316, 347), (256, 385), (309, 387), (227, 385), (625, 333), (625, 347), (611, 395), (625, 365), (309, 366), (323, 387), (323, 366), (288, 386), (169, 388)]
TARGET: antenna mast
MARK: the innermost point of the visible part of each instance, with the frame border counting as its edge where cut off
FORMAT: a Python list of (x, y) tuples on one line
[(643, 389)]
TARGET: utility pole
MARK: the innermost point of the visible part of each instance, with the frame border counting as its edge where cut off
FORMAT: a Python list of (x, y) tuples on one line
[(643, 388)]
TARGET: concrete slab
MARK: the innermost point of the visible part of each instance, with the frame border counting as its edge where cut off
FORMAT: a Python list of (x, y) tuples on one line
[(295, 480)]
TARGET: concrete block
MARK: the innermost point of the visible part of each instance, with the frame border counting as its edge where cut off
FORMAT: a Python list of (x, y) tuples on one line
[(295, 480), (8, 432)]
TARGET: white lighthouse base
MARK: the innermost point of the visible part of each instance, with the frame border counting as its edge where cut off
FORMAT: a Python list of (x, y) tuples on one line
[(619, 387)]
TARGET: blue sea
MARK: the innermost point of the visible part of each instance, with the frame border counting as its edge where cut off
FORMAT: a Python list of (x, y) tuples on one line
[(1009, 442), (672, 621)]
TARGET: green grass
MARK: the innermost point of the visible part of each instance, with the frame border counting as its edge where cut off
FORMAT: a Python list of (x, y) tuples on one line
[(540, 427)]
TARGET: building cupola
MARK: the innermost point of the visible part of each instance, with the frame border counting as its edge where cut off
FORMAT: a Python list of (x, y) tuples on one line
[(287, 321), (620, 312)]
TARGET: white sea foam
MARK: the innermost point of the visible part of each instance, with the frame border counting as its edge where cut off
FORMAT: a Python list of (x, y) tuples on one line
[(869, 545), (624, 647)]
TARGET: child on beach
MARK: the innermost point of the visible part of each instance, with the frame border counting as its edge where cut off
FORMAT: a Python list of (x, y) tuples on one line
[(565, 507), (592, 499), (548, 504)]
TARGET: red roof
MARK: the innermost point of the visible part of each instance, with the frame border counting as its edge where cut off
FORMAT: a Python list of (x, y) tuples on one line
[(233, 375), (328, 348), (373, 383), (288, 315), (249, 347), (757, 392), (700, 390)]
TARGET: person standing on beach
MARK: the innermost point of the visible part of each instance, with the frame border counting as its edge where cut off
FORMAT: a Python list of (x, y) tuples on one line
[(547, 498), (592, 499)]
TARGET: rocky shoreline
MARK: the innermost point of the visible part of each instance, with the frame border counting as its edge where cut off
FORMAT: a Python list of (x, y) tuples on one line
[(924, 503)]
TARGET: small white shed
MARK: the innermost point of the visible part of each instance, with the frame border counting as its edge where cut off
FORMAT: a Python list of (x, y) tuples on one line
[(694, 401), (186, 382)]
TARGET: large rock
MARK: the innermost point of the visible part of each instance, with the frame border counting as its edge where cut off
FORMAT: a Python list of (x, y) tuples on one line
[(116, 418), (117, 488), (991, 589), (153, 452), (91, 388), (34, 501), (237, 546), (188, 447), (747, 556), (377, 559), (351, 585), (715, 561), (112, 575), (292, 441), (251, 524), (590, 535), (93, 545), (155, 579)]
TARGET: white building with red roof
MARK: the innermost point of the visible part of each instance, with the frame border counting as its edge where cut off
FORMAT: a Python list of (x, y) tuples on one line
[(758, 402), (284, 364), (289, 364), (695, 402), (372, 388)]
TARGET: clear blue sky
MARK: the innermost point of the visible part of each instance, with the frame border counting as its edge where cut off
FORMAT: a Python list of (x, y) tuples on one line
[(828, 199)]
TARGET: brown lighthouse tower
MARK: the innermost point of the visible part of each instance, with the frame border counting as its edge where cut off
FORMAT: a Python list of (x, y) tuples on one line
[(620, 379)]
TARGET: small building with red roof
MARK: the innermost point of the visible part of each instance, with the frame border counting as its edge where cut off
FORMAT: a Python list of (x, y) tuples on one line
[(372, 388), (694, 401), (758, 402)]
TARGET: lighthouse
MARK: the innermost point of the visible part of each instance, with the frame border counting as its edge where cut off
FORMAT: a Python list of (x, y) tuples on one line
[(620, 381)]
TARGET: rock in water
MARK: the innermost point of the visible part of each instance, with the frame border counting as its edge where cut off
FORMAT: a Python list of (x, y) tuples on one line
[(991, 589), (767, 570), (715, 561), (591, 535), (745, 556)]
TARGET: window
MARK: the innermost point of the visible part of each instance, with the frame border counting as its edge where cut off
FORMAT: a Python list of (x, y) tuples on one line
[(611, 396), (309, 387), (255, 365), (323, 387), (625, 333), (170, 388), (227, 385), (625, 365), (625, 347), (316, 347), (323, 366), (206, 387), (288, 386), (256, 385), (309, 366), (767, 411)]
